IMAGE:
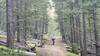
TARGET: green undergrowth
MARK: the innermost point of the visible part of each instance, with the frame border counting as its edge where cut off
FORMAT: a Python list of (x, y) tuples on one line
[(2, 36), (72, 54), (38, 54), (4, 51)]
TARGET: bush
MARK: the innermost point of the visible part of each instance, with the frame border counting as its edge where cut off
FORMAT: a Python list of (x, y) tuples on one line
[(37, 54), (72, 54), (74, 49)]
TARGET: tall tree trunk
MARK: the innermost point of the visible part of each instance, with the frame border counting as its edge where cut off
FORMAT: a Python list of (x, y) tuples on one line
[(18, 6), (84, 36), (46, 24), (10, 26)]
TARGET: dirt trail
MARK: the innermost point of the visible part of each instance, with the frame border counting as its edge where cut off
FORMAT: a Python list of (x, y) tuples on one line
[(50, 50)]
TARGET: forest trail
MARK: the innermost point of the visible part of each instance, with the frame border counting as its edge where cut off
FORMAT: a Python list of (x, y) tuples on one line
[(49, 50)]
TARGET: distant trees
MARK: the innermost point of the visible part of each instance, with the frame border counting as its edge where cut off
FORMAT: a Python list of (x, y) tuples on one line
[(97, 39), (2, 15), (25, 19), (81, 18), (78, 22)]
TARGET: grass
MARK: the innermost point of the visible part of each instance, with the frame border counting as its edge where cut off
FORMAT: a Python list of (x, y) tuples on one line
[(71, 54), (4, 51)]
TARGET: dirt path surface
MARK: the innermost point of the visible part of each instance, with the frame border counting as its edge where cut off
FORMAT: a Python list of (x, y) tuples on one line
[(50, 50)]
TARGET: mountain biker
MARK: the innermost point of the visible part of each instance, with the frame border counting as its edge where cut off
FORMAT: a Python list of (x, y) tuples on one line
[(53, 40)]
